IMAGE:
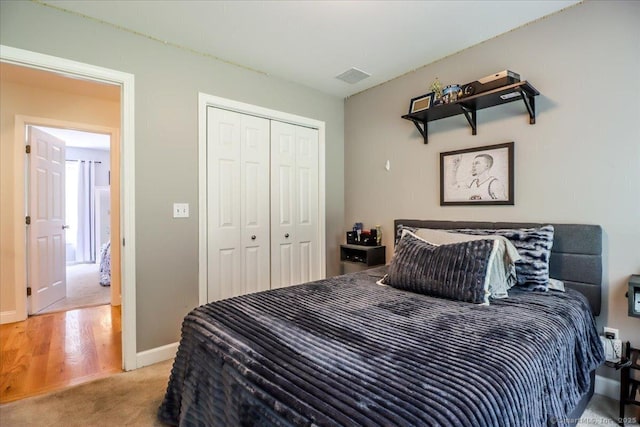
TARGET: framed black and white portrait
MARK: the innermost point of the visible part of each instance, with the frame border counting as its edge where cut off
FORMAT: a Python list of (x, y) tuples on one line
[(477, 176)]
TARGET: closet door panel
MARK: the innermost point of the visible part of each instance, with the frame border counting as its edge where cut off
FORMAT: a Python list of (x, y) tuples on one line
[(284, 268), (238, 204), (307, 203), (227, 212), (225, 276), (223, 204), (255, 206), (306, 262), (294, 202), (253, 275)]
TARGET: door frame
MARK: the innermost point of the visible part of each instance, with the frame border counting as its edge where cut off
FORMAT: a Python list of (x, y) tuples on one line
[(205, 101), (126, 81)]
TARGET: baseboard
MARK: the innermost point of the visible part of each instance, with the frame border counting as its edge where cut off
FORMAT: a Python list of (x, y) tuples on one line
[(10, 317), (607, 387), (155, 355)]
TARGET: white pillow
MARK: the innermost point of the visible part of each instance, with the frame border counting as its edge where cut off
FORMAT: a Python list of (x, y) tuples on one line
[(503, 270)]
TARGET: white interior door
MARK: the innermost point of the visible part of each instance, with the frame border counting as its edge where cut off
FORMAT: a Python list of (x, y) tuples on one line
[(294, 205), (237, 204), (46, 250)]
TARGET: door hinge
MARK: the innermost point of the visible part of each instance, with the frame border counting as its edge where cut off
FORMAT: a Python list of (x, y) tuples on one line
[(123, 241), (27, 220), (28, 149), (28, 291)]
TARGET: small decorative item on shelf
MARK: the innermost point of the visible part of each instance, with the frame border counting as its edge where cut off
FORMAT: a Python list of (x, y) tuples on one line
[(369, 237), (451, 93), (421, 103), (366, 238), (359, 236), (436, 88), (378, 235), (357, 228)]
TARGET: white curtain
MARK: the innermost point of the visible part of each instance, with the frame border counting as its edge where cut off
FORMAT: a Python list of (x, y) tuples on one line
[(86, 239)]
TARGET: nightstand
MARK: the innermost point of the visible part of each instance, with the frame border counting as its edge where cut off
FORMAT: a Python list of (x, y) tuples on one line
[(629, 379), (357, 257)]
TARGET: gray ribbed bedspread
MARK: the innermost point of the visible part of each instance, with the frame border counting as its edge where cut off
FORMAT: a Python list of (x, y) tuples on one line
[(345, 351)]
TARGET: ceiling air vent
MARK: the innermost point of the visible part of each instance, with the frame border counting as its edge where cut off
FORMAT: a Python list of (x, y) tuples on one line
[(353, 75)]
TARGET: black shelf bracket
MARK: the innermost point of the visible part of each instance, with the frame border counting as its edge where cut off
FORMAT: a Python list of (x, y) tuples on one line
[(471, 118), (422, 129), (530, 103)]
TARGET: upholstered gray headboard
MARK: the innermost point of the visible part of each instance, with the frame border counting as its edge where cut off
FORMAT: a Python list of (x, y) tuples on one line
[(576, 255)]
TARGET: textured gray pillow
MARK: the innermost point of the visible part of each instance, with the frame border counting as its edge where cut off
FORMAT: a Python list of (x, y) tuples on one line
[(534, 246), (503, 269), (457, 271)]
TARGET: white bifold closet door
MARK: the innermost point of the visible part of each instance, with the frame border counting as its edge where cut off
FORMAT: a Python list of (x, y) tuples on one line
[(237, 204), (294, 205)]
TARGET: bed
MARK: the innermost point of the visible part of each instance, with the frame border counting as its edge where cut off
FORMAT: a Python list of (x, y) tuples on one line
[(105, 264), (346, 351)]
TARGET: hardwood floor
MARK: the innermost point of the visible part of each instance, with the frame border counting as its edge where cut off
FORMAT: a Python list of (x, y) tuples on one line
[(53, 351)]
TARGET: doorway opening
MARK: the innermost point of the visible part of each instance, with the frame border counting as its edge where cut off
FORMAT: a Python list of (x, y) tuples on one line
[(87, 220), (13, 308)]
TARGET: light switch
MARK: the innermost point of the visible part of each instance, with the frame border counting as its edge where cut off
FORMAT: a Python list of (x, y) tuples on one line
[(181, 210)]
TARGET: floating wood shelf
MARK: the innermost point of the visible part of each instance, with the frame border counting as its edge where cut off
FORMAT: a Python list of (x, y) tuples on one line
[(471, 104)]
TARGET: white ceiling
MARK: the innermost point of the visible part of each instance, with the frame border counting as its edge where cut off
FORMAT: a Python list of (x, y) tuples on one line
[(311, 42)]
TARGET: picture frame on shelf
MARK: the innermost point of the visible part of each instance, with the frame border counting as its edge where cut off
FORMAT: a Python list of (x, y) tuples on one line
[(421, 103), (477, 176)]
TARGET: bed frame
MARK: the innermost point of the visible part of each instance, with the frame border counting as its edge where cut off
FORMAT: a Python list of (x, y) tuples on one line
[(576, 259)]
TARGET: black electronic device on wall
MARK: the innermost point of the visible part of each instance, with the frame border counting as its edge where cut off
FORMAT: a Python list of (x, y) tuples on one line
[(634, 295)]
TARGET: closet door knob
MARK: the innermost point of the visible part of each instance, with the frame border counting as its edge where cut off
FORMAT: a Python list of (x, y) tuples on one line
[(286, 236), (253, 237), (64, 227)]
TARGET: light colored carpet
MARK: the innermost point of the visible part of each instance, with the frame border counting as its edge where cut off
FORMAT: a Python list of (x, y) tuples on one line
[(133, 398), (125, 399), (83, 289), (603, 410)]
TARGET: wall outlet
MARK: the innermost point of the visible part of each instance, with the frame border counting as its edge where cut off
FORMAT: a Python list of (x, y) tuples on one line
[(181, 210), (611, 333)]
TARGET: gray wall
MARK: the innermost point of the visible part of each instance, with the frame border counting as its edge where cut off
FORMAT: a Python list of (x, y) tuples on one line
[(167, 82), (580, 163)]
